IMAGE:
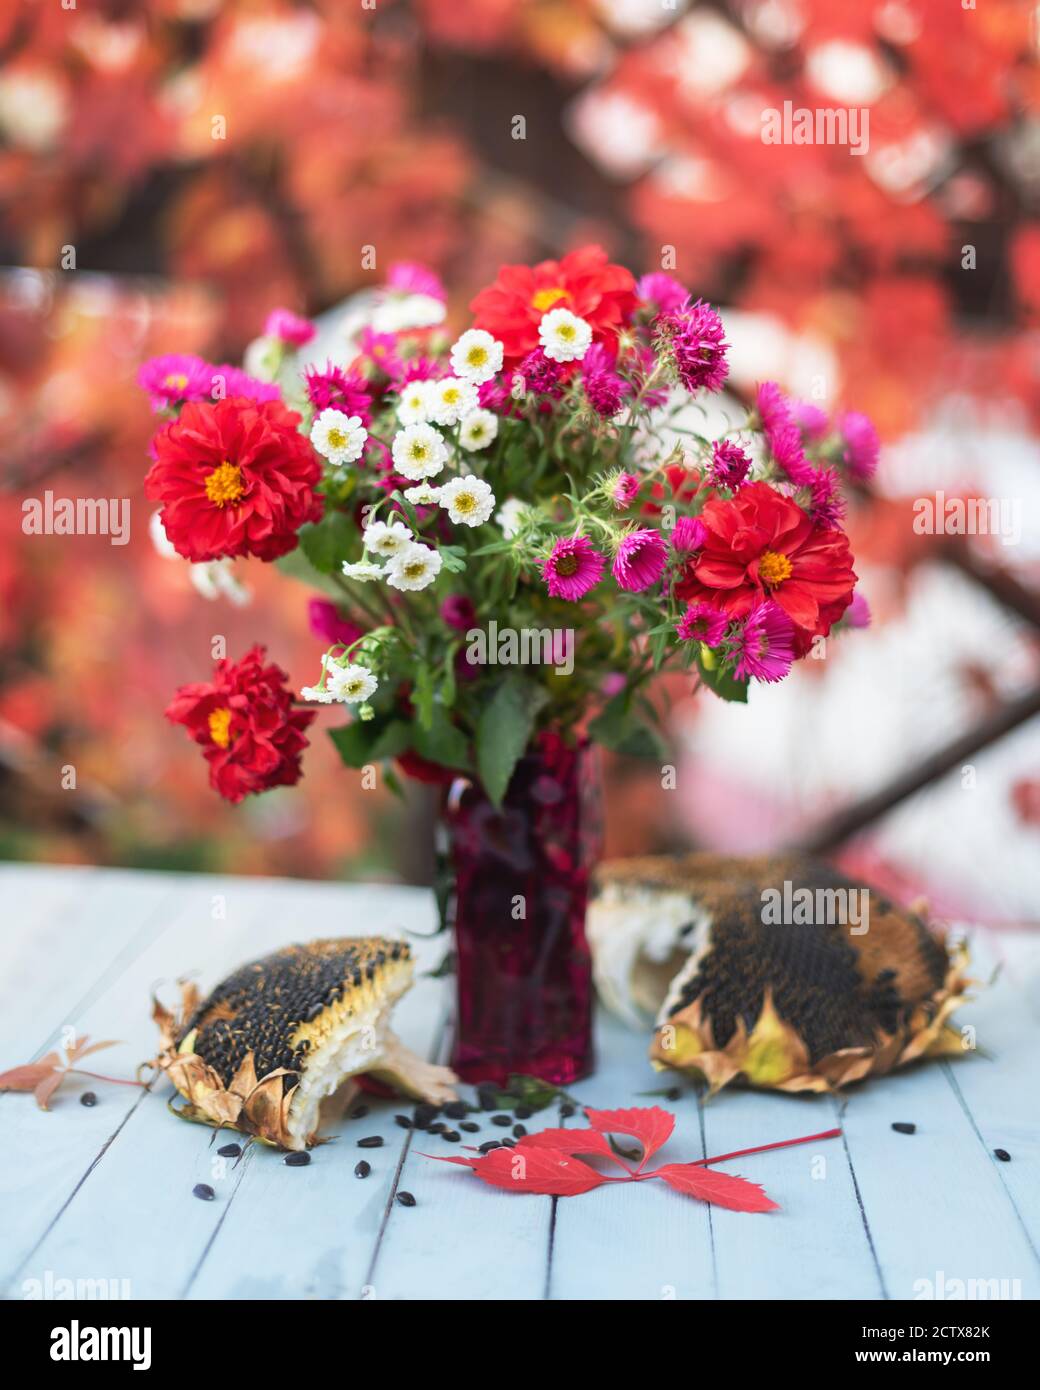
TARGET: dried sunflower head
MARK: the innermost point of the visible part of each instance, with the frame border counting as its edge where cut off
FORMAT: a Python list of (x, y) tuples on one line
[(280, 1037), (778, 970)]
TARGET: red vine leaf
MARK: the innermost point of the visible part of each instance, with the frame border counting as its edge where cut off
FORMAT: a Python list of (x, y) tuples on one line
[(651, 1125), (721, 1189), (548, 1172), (25, 1078), (48, 1086), (572, 1141)]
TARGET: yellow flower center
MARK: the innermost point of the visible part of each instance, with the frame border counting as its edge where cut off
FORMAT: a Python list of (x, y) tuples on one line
[(545, 299), (337, 439), (451, 396), (225, 484), (477, 356), (176, 381), (414, 569), (773, 567), (465, 502), (565, 331), (418, 451), (220, 727)]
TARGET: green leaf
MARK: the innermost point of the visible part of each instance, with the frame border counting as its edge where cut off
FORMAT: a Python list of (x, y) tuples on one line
[(723, 683), (622, 731), (442, 742), (504, 731), (422, 695), (393, 739), (327, 543), (354, 742)]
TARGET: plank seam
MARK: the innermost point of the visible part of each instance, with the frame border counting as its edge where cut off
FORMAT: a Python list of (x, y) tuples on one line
[(247, 1159), (711, 1222), (840, 1108)]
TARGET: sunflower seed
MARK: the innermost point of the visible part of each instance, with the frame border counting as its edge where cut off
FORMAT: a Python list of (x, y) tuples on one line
[(403, 1121), (406, 1199), (456, 1110), (297, 1160), (374, 1141), (451, 1136), (469, 1127), (88, 1098), (1003, 1155), (362, 1169), (203, 1192), (519, 1131), (523, 1112), (359, 1112), (230, 1150), (488, 1145), (904, 1127), (503, 1120)]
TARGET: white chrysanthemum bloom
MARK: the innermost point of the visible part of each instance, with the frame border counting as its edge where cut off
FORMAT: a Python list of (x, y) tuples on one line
[(387, 539), (311, 692), (415, 568), (468, 501), (362, 571), (564, 336), (477, 356), (419, 452), (400, 312), (414, 404), (217, 578), (509, 516), (451, 399), (424, 495), (351, 684), (478, 429), (338, 437), (159, 538)]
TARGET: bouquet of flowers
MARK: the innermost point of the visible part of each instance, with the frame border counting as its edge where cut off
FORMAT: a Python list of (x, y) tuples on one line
[(515, 528)]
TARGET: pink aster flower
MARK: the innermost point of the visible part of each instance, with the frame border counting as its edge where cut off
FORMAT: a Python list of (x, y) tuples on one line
[(858, 612), (408, 277), (495, 395), (764, 645), (783, 436), (457, 612), (604, 389), (662, 292), (729, 465), (325, 621), (810, 419), (381, 350), (541, 375), (625, 489), (341, 390), (228, 381), (289, 327), (862, 445), (640, 560), (702, 623), (694, 339), (175, 378), (688, 534), (573, 568), (826, 504)]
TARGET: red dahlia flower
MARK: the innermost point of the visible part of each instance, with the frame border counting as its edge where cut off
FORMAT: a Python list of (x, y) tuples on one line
[(761, 545), (584, 282), (236, 477), (244, 719)]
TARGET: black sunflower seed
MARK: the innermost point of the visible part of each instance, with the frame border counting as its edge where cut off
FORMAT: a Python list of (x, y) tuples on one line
[(469, 1127), (374, 1141), (1003, 1155), (88, 1098), (359, 1112), (203, 1192), (488, 1145), (566, 1110), (519, 1131), (406, 1199), (523, 1112), (673, 1093), (456, 1110), (509, 1143), (297, 1160), (403, 1121), (451, 1136), (230, 1150), (504, 1120), (488, 1096), (425, 1114), (438, 1127), (904, 1127), (362, 1169)]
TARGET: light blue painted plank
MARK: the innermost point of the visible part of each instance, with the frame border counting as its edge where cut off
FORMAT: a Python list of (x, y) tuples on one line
[(638, 1240)]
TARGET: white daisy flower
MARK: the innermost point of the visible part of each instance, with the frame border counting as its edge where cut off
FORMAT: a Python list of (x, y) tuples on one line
[(311, 692), (564, 336), (413, 407), (363, 571), (415, 568), (422, 496), (351, 684), (419, 452), (477, 356), (451, 399), (510, 515), (217, 577), (478, 429), (338, 437), (467, 500), (399, 312), (387, 540)]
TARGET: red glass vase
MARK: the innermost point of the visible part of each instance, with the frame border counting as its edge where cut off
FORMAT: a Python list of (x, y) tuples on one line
[(514, 886)]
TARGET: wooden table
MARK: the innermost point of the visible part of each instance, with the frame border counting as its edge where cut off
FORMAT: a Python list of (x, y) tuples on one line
[(105, 1193)]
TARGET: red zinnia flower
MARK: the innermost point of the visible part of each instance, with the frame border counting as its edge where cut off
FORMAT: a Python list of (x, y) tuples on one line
[(584, 282), (244, 719), (761, 545), (236, 478)]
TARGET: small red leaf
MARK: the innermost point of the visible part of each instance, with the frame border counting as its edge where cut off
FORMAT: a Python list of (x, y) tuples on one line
[(46, 1088), (651, 1125), (547, 1172), (25, 1078), (572, 1141), (80, 1051), (721, 1189)]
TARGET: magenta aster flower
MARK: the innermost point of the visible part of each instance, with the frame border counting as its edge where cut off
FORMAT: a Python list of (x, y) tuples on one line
[(729, 465), (333, 387), (764, 645), (810, 419), (662, 292), (826, 504), (325, 621), (625, 489), (289, 327), (858, 612), (702, 623), (573, 568), (783, 436), (694, 339), (688, 534), (862, 445), (381, 351), (408, 277), (175, 378), (640, 560), (604, 389), (541, 374), (457, 612), (228, 381)]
